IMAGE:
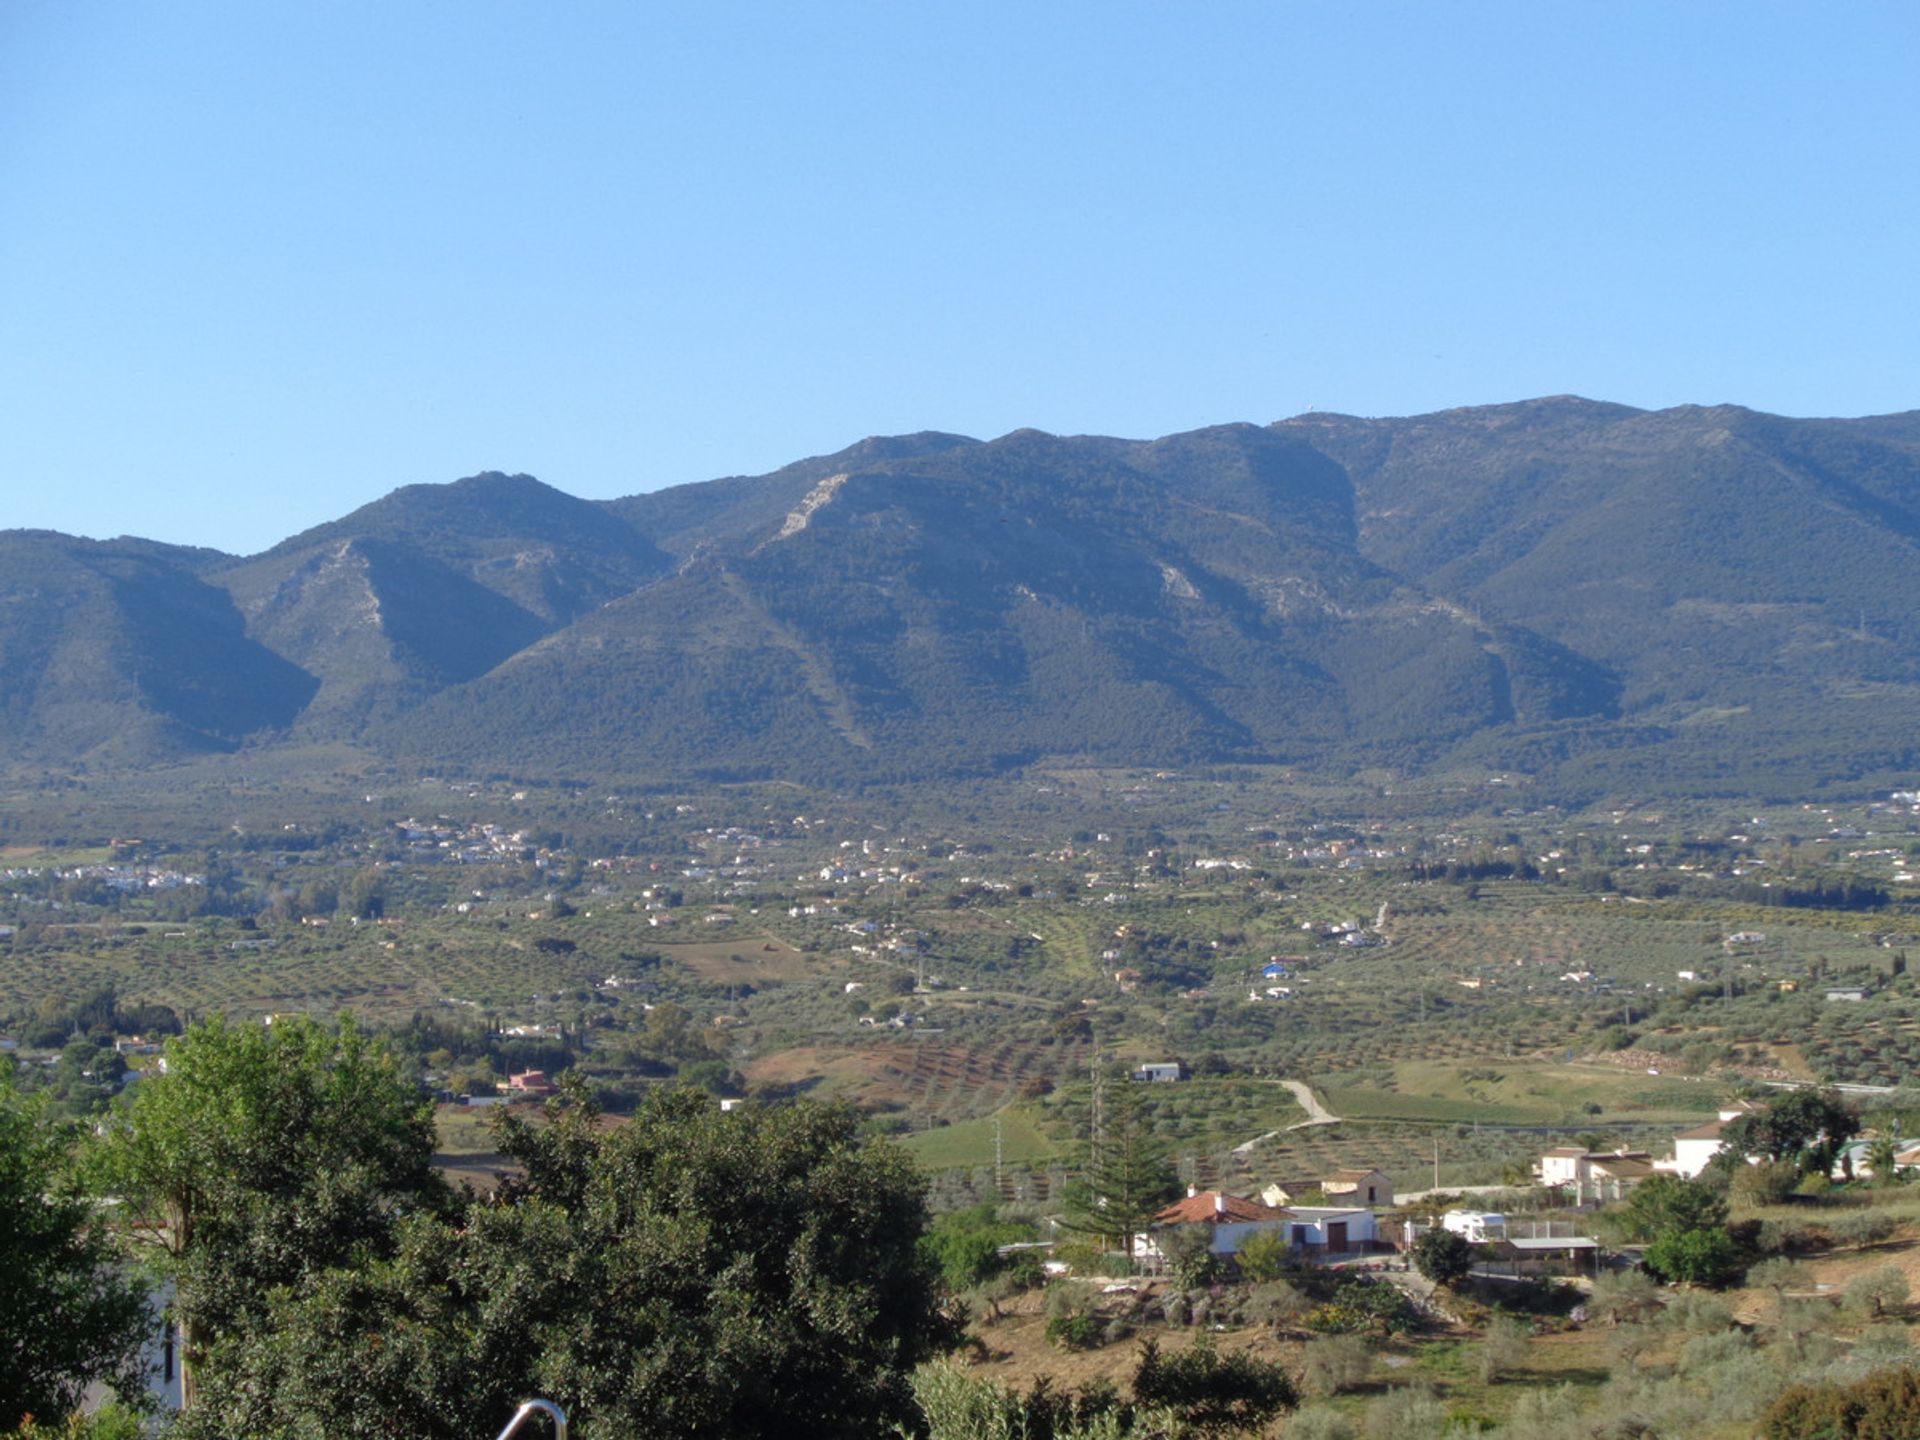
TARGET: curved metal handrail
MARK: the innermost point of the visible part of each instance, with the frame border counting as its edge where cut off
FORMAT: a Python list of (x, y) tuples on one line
[(545, 1407)]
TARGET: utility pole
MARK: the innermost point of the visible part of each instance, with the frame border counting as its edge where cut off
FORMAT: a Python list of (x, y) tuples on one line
[(999, 1172), (1436, 1162)]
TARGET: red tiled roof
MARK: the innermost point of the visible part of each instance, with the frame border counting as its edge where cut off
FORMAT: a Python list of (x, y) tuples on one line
[(1202, 1209)]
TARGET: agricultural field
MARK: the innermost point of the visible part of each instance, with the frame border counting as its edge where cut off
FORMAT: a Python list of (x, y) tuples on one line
[(1522, 1092), (1467, 981)]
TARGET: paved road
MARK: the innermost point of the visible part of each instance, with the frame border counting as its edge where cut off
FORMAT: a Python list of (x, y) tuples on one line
[(1317, 1114)]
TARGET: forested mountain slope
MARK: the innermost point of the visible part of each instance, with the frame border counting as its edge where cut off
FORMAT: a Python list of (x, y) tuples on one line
[(1684, 598)]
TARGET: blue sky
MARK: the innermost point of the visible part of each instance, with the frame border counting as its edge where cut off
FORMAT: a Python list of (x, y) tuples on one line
[(260, 264)]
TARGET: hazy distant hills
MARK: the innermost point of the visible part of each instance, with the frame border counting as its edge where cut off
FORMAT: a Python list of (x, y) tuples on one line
[(1690, 599)]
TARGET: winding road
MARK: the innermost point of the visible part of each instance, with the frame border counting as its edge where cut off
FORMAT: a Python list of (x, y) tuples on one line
[(1317, 1114)]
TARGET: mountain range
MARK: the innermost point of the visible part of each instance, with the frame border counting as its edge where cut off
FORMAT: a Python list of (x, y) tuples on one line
[(1695, 599)]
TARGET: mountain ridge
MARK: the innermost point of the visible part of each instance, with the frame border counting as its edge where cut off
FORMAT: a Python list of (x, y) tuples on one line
[(1562, 585)]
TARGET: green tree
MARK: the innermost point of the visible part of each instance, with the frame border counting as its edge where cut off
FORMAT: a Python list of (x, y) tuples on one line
[(1263, 1255), (1665, 1204), (262, 1156), (69, 1318), (1211, 1392), (1694, 1257), (964, 1245), (1442, 1256), (1805, 1127), (1882, 1160), (695, 1273), (1502, 1348), (1125, 1179), (1877, 1293)]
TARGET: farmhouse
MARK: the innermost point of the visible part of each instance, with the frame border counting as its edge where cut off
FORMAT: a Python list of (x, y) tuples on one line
[(1597, 1176), (1693, 1149), (1357, 1186), (528, 1082), (1160, 1072), (1332, 1231), (1231, 1218), (1363, 1187)]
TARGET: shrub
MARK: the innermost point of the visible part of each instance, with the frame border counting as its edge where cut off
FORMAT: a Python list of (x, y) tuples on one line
[(1275, 1303), (1697, 1314), (1263, 1255), (1813, 1187), (1362, 1304), (1868, 1228), (1409, 1414), (1883, 1406), (1502, 1348), (1693, 1257), (1335, 1363), (1442, 1256), (1189, 1253), (1211, 1392), (1320, 1423), (1074, 1331), (1877, 1293), (1622, 1295), (1771, 1182)]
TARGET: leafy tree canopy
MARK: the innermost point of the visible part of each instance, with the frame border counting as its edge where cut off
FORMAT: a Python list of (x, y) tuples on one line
[(1442, 1256), (1805, 1127), (263, 1155), (1666, 1204), (68, 1318), (692, 1272)]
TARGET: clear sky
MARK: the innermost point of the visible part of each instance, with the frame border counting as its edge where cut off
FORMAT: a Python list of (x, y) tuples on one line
[(261, 263)]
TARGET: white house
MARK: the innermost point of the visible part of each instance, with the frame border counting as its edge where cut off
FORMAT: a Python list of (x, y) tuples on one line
[(1693, 1149), (1332, 1230), (1231, 1218), (1159, 1072)]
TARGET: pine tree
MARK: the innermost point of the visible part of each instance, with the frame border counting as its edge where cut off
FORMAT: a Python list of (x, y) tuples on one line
[(1125, 1178)]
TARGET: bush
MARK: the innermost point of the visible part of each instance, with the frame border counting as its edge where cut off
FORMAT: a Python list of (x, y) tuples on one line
[(1772, 1182), (1077, 1331), (1335, 1363), (1442, 1256), (1622, 1295), (1275, 1303), (1189, 1252), (1697, 1314), (1263, 1255), (1502, 1348), (1878, 1293), (1362, 1304), (1211, 1392), (1883, 1406), (1868, 1228), (1693, 1257), (1409, 1414), (1320, 1423)]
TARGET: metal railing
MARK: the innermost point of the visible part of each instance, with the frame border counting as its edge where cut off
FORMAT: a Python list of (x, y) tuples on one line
[(541, 1407)]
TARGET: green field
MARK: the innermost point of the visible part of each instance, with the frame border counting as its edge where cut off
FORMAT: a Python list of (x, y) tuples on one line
[(1521, 1092), (969, 1144)]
